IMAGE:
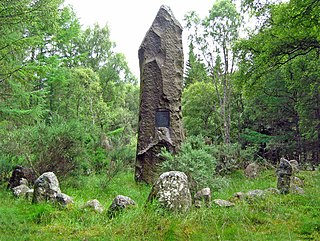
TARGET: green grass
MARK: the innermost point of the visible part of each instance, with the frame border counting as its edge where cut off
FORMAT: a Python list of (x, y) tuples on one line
[(277, 217)]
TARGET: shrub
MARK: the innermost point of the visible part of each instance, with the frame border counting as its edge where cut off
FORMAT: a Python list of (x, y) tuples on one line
[(195, 159)]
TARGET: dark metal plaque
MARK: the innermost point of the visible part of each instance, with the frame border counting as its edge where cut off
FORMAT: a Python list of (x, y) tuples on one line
[(163, 118)]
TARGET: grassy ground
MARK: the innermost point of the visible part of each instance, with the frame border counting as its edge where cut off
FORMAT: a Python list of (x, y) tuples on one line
[(278, 217)]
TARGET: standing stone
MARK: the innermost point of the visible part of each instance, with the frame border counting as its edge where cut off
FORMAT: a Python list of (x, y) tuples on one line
[(46, 188), (284, 176), (161, 78), (172, 191)]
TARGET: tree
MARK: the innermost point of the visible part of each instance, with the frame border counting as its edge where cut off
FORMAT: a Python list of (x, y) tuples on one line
[(213, 37), (280, 70)]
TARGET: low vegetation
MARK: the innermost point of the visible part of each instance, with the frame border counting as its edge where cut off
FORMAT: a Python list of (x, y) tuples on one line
[(276, 217)]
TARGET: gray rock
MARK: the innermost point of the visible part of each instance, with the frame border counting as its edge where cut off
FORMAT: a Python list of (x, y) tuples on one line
[(203, 198), (223, 203), (295, 166), (252, 170), (297, 181), (272, 190), (284, 176), (21, 190), (161, 82), (296, 189), (119, 204), (29, 194), (64, 199), (172, 191), (95, 205), (46, 188), (255, 194)]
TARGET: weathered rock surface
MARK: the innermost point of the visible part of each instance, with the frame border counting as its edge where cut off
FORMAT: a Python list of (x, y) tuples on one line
[(295, 166), (64, 199), (297, 181), (46, 188), (21, 190), (29, 194), (203, 198), (252, 170), (120, 203), (296, 189), (161, 81), (223, 203), (95, 205), (255, 193), (172, 191), (284, 176), (20, 173)]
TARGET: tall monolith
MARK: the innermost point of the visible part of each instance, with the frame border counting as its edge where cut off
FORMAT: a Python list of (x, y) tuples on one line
[(161, 77)]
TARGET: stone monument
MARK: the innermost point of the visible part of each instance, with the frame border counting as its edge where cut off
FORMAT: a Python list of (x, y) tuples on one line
[(284, 176), (161, 78)]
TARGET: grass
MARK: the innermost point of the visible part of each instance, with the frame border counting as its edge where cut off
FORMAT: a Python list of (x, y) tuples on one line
[(277, 217)]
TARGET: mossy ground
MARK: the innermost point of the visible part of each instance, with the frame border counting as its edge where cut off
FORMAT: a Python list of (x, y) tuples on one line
[(276, 217)]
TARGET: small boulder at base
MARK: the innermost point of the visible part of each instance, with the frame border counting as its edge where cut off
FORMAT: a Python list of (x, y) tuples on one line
[(295, 166), (21, 190), (64, 199), (203, 198), (252, 170), (172, 191), (223, 203), (118, 204), (297, 181), (94, 205), (46, 188), (296, 189)]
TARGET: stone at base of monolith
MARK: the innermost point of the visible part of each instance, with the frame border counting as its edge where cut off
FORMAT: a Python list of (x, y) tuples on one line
[(46, 188), (172, 191)]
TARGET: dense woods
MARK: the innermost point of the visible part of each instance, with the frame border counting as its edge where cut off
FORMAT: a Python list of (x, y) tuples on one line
[(69, 102)]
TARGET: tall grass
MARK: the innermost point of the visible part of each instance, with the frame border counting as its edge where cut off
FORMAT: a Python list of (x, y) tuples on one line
[(276, 217)]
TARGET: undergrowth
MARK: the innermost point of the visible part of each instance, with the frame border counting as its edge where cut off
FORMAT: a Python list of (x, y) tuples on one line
[(276, 217)]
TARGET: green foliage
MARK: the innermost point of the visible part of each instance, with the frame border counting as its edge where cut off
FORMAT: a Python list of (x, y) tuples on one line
[(195, 159), (199, 107)]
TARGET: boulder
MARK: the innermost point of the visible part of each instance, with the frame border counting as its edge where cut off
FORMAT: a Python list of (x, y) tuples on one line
[(46, 188), (94, 205), (64, 199), (284, 176), (223, 203), (21, 190), (255, 194), (252, 170), (20, 173), (172, 191), (297, 181), (203, 198), (296, 189), (118, 204), (272, 190)]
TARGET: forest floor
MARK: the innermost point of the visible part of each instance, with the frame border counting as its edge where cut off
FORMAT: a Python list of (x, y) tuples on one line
[(276, 217)]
